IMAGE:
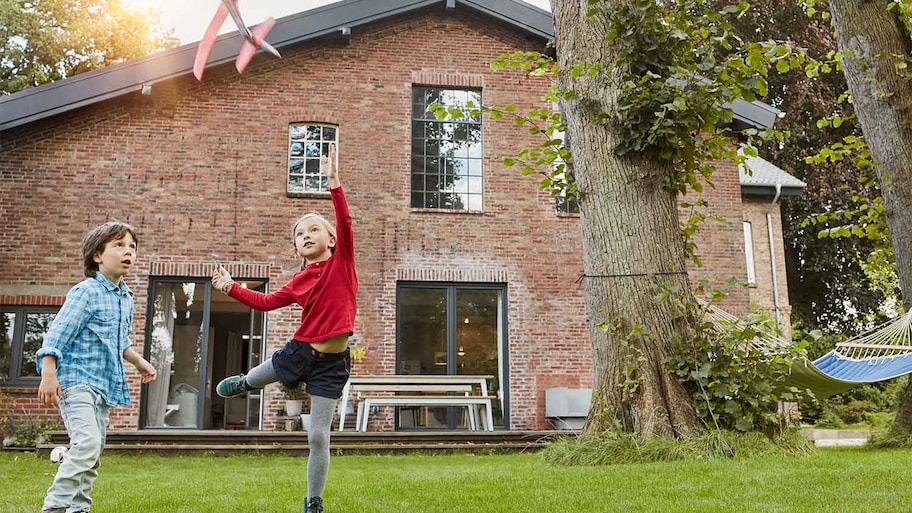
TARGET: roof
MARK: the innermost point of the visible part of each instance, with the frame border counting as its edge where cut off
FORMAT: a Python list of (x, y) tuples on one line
[(131, 76), (763, 178)]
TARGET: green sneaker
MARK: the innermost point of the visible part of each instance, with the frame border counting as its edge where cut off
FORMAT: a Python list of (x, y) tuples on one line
[(232, 386), (313, 505)]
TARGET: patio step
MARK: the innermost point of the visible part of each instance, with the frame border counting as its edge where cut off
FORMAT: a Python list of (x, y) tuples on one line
[(837, 437), (295, 442)]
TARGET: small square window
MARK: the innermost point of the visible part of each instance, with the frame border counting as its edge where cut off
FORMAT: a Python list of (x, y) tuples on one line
[(307, 142)]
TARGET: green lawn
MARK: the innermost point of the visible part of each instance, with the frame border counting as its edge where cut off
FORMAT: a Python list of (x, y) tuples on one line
[(830, 480)]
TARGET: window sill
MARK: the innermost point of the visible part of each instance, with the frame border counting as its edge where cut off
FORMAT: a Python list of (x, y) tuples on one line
[(568, 215), (447, 211), (19, 387), (308, 194)]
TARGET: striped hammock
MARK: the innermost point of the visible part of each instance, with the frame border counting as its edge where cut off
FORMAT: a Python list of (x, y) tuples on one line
[(881, 353)]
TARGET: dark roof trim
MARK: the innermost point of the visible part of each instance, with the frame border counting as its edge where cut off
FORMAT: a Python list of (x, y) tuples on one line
[(766, 190), (88, 88)]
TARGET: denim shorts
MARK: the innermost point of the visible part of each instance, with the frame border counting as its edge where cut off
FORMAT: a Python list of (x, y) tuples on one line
[(324, 373)]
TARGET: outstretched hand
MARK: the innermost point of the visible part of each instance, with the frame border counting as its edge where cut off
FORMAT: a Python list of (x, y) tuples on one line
[(330, 163), (221, 280)]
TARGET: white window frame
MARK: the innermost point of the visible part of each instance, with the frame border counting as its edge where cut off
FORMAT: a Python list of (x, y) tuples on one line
[(749, 253), (304, 175)]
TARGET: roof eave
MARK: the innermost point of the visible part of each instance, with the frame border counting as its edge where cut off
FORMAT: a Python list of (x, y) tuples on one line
[(770, 190)]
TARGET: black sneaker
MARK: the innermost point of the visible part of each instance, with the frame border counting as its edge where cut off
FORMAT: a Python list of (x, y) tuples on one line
[(232, 386), (313, 505)]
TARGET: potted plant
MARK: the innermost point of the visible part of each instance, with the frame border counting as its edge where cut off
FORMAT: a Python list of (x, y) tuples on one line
[(293, 399)]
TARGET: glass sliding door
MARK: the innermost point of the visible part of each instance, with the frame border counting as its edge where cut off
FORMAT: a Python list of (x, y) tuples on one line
[(176, 350), (195, 338), (455, 329)]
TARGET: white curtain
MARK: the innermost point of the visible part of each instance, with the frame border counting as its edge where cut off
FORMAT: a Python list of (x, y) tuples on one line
[(162, 354)]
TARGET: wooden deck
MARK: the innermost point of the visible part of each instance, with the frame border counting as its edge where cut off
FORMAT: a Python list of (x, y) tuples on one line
[(295, 442)]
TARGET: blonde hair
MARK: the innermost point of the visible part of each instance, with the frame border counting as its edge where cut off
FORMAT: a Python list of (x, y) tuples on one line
[(329, 227)]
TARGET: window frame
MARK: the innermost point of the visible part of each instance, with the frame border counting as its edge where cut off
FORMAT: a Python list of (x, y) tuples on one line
[(17, 344), (474, 180), (323, 189), (451, 290), (750, 262), (562, 205)]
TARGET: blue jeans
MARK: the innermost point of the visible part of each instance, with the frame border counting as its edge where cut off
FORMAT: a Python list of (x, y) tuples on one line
[(85, 415)]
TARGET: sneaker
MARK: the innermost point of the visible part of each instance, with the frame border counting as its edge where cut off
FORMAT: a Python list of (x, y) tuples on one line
[(232, 386), (313, 505)]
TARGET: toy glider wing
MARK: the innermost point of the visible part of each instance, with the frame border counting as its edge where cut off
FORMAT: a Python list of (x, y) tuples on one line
[(254, 39)]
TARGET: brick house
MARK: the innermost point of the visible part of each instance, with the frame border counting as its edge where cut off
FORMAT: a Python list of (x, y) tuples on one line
[(465, 266)]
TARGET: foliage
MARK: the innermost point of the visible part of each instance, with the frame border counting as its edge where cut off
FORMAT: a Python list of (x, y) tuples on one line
[(872, 404), (895, 438), (828, 287), (27, 431), (615, 447), (47, 40), (736, 382)]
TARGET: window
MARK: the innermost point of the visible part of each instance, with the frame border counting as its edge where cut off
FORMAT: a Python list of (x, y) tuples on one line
[(22, 331), (306, 144), (446, 154), (749, 253), (563, 204), (563, 176), (194, 339), (453, 329)]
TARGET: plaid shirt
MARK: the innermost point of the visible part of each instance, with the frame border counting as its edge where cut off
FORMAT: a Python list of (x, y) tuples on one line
[(89, 335)]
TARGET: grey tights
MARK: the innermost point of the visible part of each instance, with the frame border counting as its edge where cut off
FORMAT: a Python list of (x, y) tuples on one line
[(321, 415)]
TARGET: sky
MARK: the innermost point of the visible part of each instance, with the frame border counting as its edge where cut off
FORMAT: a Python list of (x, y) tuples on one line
[(189, 18)]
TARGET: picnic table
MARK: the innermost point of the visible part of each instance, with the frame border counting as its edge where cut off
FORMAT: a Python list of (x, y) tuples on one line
[(434, 390)]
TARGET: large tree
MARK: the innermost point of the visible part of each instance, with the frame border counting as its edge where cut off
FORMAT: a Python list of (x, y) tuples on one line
[(630, 234), (875, 42), (643, 89), (46, 40)]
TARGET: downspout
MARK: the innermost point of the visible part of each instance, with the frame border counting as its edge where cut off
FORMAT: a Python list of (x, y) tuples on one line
[(769, 231)]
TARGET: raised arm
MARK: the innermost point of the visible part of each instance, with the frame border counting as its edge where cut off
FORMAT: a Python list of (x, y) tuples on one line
[(344, 233), (222, 281)]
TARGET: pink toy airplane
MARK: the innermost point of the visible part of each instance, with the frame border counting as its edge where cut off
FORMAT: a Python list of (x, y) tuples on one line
[(254, 39)]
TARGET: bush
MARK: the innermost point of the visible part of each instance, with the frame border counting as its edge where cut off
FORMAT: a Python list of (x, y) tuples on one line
[(27, 432), (735, 381)]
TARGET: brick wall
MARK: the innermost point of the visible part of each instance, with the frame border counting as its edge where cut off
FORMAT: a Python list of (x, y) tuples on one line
[(761, 294), (200, 168)]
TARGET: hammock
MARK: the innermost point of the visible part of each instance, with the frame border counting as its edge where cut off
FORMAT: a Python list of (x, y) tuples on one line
[(881, 353)]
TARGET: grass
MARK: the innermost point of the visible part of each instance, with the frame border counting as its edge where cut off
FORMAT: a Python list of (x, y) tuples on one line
[(838, 479)]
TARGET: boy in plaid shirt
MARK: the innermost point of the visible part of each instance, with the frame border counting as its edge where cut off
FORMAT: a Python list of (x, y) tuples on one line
[(81, 361)]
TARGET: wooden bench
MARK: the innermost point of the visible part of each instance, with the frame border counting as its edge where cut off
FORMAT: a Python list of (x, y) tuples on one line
[(471, 402), (426, 390), (438, 386)]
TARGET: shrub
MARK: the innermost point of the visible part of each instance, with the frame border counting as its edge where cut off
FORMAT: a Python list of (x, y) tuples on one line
[(737, 382)]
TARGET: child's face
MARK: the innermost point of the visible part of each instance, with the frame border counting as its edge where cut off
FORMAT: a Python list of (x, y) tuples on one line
[(117, 257), (313, 241)]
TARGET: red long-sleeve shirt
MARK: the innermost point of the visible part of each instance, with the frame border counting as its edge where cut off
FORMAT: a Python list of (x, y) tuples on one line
[(325, 290)]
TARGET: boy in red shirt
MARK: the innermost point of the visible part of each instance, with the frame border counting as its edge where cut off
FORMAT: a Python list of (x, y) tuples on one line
[(318, 353)]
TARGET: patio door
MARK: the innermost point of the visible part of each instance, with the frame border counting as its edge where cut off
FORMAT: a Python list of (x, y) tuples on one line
[(194, 339), (455, 329)]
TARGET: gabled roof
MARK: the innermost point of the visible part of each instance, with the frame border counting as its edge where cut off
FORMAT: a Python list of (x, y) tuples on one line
[(95, 86), (763, 178)]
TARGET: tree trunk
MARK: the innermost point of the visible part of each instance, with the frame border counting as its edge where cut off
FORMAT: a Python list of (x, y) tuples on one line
[(868, 36), (631, 236)]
